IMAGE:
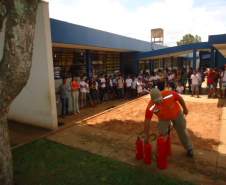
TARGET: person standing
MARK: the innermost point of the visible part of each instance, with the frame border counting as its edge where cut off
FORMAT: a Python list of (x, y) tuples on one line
[(88, 94), (183, 79), (190, 72), (83, 92), (210, 82), (223, 82), (120, 87), (180, 88), (195, 81), (64, 97), (75, 86), (102, 89), (93, 90), (166, 106), (128, 87), (139, 87), (134, 87)]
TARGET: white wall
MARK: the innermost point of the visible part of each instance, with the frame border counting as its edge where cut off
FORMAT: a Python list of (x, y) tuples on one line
[(36, 104)]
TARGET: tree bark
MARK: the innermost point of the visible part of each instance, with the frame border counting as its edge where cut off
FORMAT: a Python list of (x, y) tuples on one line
[(6, 171)]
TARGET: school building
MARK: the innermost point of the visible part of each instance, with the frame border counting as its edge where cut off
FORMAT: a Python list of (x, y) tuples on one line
[(62, 50)]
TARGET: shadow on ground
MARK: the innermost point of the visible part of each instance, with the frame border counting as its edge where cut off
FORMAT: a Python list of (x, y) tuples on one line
[(132, 127), (207, 161)]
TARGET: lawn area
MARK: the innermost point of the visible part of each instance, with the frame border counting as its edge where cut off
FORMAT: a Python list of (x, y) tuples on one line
[(47, 163)]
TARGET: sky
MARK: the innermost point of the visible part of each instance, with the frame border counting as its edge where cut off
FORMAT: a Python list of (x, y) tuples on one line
[(135, 18)]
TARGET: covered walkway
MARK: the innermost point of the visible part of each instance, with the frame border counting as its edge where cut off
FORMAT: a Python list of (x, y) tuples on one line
[(195, 55)]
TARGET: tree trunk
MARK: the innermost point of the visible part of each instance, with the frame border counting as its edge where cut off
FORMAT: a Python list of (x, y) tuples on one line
[(17, 22), (6, 172)]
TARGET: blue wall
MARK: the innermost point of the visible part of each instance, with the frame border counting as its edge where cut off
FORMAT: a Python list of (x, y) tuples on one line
[(219, 59)]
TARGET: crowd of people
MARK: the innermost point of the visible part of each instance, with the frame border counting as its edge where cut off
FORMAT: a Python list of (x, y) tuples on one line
[(92, 91)]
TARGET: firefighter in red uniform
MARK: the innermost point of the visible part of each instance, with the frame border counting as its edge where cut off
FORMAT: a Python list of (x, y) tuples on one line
[(165, 105)]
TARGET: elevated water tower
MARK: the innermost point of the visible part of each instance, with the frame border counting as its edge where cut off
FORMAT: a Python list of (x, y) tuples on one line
[(157, 36)]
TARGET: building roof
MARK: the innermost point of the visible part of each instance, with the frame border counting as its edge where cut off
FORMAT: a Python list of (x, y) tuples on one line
[(73, 34), (81, 36), (217, 41), (176, 50)]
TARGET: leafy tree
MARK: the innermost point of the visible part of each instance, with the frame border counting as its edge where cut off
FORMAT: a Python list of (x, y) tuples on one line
[(17, 25), (188, 39)]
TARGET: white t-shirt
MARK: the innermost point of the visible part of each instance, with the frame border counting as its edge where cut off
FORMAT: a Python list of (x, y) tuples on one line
[(157, 77), (224, 76), (83, 86), (139, 87), (180, 89), (134, 84), (171, 77), (129, 82), (110, 83), (102, 82), (194, 79)]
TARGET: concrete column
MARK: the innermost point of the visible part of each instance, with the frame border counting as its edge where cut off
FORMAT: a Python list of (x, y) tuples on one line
[(163, 63), (89, 67), (36, 104), (171, 62), (213, 57), (194, 59), (151, 65), (135, 68)]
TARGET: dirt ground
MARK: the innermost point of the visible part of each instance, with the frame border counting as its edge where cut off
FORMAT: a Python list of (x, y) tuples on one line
[(113, 134), (203, 122)]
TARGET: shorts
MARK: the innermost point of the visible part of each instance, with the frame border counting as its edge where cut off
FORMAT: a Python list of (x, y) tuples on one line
[(194, 87)]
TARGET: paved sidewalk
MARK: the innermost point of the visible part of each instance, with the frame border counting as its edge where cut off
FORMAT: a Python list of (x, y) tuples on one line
[(22, 133)]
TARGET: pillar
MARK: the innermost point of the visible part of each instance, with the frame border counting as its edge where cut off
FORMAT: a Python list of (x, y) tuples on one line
[(213, 57), (194, 59), (89, 67)]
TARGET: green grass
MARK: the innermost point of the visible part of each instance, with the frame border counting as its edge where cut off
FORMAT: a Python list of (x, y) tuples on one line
[(47, 163)]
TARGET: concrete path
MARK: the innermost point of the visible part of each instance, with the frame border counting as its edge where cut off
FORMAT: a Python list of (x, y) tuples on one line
[(21, 134)]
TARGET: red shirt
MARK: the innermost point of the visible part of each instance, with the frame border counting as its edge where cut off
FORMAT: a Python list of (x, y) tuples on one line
[(75, 85), (169, 109), (210, 77)]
